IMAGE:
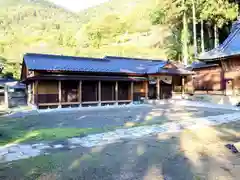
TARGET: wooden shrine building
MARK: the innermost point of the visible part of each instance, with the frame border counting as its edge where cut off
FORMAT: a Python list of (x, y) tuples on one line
[(63, 81), (219, 69)]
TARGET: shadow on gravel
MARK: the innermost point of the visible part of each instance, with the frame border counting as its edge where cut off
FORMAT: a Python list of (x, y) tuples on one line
[(190, 155)]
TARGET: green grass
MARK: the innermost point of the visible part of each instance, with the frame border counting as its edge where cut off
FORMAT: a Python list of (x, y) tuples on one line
[(20, 136), (35, 128), (9, 136), (60, 165)]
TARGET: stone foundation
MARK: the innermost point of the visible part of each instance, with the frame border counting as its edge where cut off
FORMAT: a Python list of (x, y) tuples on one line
[(216, 99)]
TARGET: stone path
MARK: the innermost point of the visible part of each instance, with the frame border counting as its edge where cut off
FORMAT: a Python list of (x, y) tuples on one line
[(23, 151)]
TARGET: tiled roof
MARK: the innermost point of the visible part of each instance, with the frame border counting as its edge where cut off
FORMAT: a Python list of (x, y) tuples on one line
[(4, 80), (109, 64), (198, 65), (230, 47)]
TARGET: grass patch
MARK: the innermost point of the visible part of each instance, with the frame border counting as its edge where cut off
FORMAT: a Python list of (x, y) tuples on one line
[(39, 128), (20, 136), (60, 165)]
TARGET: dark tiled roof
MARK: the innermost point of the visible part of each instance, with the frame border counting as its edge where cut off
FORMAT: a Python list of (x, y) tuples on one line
[(230, 47), (198, 65), (109, 64), (4, 80), (135, 59)]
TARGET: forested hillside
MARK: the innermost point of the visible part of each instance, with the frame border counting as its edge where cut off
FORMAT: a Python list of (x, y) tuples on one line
[(139, 28)]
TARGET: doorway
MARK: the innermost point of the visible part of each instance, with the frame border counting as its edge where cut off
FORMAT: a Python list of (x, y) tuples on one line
[(165, 90)]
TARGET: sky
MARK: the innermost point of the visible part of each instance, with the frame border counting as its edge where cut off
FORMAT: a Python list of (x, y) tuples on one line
[(77, 5)]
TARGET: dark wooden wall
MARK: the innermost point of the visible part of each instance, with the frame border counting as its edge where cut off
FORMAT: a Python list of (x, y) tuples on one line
[(208, 79)]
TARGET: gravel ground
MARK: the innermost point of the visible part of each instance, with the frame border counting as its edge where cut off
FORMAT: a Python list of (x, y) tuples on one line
[(99, 118), (189, 155), (181, 156)]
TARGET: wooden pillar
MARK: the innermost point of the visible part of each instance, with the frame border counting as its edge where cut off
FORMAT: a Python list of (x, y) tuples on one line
[(29, 93), (158, 88), (36, 93), (116, 92), (80, 93), (131, 90), (146, 90), (99, 93), (60, 93), (183, 85), (233, 87), (33, 93), (6, 99)]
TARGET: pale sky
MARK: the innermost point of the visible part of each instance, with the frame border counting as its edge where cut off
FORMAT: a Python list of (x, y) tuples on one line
[(77, 5)]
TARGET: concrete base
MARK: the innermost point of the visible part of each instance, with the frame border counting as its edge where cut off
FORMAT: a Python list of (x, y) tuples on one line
[(216, 99)]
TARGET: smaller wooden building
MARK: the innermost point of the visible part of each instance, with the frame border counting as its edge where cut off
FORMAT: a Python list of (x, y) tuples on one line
[(219, 69), (63, 81)]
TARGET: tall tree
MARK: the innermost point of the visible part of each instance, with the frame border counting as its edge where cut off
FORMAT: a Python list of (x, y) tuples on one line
[(218, 13), (216, 40), (194, 28), (202, 36), (184, 34)]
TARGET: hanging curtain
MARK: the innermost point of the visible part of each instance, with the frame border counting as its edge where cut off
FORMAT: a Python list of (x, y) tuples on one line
[(166, 79)]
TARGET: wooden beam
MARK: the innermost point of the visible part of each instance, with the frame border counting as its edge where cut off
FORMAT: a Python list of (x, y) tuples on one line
[(36, 96), (183, 85), (146, 89), (6, 99), (116, 92), (132, 86), (60, 93), (124, 101), (29, 93), (80, 92), (33, 93), (90, 102), (158, 88), (57, 104), (233, 87), (99, 92)]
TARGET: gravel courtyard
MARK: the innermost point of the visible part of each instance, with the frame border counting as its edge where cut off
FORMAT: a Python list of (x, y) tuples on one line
[(188, 154), (143, 114)]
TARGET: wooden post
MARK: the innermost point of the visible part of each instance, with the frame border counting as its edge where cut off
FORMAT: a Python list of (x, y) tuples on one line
[(6, 99), (146, 90), (33, 93), (60, 93), (116, 92), (99, 93), (80, 93), (29, 93), (36, 91), (158, 88), (183, 85), (132, 90), (233, 87)]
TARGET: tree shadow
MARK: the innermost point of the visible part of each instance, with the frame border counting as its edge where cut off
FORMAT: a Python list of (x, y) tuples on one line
[(190, 154)]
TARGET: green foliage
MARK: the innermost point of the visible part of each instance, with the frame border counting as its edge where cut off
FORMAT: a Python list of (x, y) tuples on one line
[(157, 16), (126, 28), (171, 12), (220, 11)]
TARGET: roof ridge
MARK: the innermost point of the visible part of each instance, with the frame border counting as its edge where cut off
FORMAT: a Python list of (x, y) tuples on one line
[(133, 58), (66, 56)]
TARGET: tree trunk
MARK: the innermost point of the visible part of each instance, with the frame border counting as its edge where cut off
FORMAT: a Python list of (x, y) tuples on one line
[(202, 37), (194, 29), (184, 37), (209, 30), (215, 35)]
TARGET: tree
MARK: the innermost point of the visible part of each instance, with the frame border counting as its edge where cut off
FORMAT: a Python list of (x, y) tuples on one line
[(184, 34), (194, 28), (218, 13), (202, 36)]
